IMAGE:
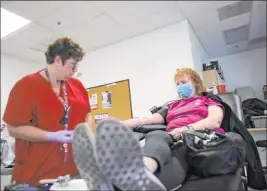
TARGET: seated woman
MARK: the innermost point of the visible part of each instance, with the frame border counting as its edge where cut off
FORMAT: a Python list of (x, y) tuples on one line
[(119, 160)]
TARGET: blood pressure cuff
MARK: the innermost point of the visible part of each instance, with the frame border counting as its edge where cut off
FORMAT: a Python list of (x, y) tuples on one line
[(163, 112)]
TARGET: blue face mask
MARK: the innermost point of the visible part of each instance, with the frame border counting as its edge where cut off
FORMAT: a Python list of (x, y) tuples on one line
[(185, 90)]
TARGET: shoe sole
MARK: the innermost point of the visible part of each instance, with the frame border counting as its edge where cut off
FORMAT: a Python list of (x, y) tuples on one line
[(120, 158), (83, 154)]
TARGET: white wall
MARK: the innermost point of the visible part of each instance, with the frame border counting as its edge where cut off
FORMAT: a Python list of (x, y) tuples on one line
[(149, 61), (198, 52), (12, 69), (245, 69)]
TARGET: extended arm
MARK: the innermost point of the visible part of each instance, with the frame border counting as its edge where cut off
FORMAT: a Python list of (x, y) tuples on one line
[(153, 119)]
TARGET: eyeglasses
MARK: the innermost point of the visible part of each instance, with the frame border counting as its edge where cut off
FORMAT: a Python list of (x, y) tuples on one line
[(74, 66)]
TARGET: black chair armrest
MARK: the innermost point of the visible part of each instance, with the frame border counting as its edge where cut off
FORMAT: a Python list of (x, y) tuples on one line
[(261, 143), (230, 182), (148, 128)]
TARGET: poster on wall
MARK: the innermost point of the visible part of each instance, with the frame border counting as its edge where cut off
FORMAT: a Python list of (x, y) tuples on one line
[(106, 99), (93, 101), (99, 117)]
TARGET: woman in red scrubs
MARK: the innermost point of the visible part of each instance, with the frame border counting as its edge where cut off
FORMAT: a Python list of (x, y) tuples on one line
[(42, 110)]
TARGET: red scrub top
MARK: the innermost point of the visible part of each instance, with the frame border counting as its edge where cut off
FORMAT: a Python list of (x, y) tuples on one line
[(33, 102)]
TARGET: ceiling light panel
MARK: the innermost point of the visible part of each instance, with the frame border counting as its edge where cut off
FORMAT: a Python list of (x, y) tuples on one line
[(11, 23)]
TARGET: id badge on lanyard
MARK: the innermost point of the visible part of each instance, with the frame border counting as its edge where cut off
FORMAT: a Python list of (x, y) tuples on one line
[(65, 119), (66, 122)]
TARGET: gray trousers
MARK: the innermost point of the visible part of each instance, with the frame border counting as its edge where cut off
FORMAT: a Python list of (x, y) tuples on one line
[(173, 166)]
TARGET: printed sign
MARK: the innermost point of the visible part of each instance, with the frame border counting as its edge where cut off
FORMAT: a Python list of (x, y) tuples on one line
[(106, 99), (93, 101), (99, 117)]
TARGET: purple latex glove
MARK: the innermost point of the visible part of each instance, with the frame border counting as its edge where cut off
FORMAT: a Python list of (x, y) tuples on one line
[(60, 136)]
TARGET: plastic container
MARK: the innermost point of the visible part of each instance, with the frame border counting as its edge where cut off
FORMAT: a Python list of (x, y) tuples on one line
[(259, 121)]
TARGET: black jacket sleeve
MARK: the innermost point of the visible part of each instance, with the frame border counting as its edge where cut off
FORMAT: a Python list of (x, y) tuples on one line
[(256, 177)]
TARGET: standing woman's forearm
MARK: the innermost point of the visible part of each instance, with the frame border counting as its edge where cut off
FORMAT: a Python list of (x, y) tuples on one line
[(28, 133)]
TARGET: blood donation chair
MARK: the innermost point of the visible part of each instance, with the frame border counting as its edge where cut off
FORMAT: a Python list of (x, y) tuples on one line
[(231, 182)]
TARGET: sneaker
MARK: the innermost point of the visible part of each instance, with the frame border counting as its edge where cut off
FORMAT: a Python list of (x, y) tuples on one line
[(120, 158), (84, 157)]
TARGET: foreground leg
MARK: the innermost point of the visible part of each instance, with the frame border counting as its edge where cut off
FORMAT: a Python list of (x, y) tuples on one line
[(151, 164), (83, 153), (121, 159), (157, 149), (171, 166)]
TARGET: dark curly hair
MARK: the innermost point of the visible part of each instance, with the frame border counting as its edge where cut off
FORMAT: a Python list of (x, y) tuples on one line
[(65, 48)]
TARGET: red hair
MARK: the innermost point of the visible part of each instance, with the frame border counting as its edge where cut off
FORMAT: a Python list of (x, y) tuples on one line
[(198, 83)]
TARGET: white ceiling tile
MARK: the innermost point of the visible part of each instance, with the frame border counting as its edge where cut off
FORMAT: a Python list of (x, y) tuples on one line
[(205, 20), (43, 45), (45, 42), (207, 28), (26, 53), (5, 3), (235, 9), (258, 20), (96, 24), (75, 14), (127, 12), (236, 35), (35, 10), (256, 45), (200, 8), (238, 47), (98, 32), (235, 22), (39, 47), (29, 36), (211, 38), (154, 22), (35, 55), (203, 17), (118, 10), (151, 14)]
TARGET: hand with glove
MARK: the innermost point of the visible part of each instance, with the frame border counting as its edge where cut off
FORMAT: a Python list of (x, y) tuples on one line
[(60, 136)]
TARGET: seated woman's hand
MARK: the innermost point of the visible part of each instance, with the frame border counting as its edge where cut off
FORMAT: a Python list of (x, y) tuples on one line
[(176, 133)]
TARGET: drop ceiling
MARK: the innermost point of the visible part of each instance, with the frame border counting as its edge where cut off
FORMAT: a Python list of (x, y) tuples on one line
[(227, 27), (96, 24)]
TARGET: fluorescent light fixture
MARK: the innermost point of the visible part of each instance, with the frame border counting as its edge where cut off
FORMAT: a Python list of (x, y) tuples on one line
[(11, 22)]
